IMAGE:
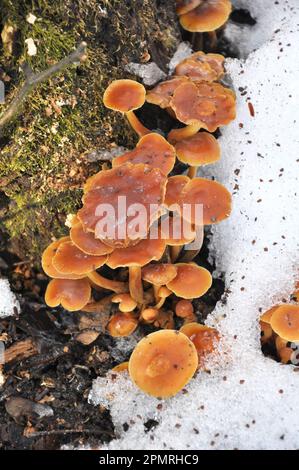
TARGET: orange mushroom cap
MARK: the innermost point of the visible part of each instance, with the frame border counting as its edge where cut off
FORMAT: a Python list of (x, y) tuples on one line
[(161, 94), (266, 317), (174, 187), (70, 260), (138, 185), (124, 95), (201, 66), (200, 149), (209, 15), (192, 281), (209, 104), (213, 196), (153, 150), (285, 322), (159, 274), (47, 261), (184, 308), (177, 231), (162, 363), (73, 295), (149, 315), (144, 252), (122, 367), (266, 332), (125, 301), (122, 324), (203, 337), (86, 241), (183, 6)]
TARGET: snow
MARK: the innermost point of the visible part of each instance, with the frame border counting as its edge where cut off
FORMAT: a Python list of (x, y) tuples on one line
[(8, 302), (149, 73), (249, 401)]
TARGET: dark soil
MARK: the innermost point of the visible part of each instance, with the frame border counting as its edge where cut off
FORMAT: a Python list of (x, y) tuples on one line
[(59, 374)]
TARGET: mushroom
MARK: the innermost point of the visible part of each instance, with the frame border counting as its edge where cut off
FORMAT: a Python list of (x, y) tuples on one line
[(183, 6), (87, 243), (165, 320), (135, 257), (122, 367), (201, 66), (175, 185), (200, 149), (163, 293), (126, 96), (70, 260), (162, 363), (214, 198), (208, 15), (119, 191), (72, 294), (201, 105), (177, 232), (149, 315), (266, 332), (203, 337), (125, 301), (184, 309), (192, 281), (162, 93), (47, 261), (266, 317), (122, 324), (159, 275), (153, 150), (285, 322)]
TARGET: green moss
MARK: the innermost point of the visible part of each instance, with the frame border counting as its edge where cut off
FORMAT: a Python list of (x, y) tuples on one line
[(42, 164)]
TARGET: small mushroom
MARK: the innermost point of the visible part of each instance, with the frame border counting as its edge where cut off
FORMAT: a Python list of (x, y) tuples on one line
[(122, 367), (203, 337), (73, 294), (47, 261), (285, 322), (163, 293), (125, 301), (201, 66), (153, 150), (70, 260), (122, 324), (158, 275), (192, 281), (165, 320), (209, 15), (126, 96), (135, 257), (200, 149), (184, 309), (162, 363), (149, 315)]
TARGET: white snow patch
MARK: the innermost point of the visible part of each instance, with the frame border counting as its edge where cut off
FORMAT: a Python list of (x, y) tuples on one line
[(8, 302), (253, 402), (184, 50), (149, 73)]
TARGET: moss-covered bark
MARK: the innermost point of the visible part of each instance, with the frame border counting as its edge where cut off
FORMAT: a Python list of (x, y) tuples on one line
[(42, 163)]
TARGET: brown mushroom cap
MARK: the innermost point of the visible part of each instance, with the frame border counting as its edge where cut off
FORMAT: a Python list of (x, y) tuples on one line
[(159, 274), (209, 15), (124, 95), (184, 309), (138, 184), (47, 261), (125, 301), (209, 104), (149, 315), (153, 150), (70, 260), (201, 66), (214, 197), (203, 337), (86, 241), (183, 6), (192, 281), (266, 317), (200, 149), (174, 187), (285, 322), (144, 252), (73, 295), (163, 363), (161, 94), (122, 324)]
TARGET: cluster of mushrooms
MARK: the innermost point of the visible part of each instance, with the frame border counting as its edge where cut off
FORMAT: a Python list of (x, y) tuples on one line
[(280, 330), (151, 280)]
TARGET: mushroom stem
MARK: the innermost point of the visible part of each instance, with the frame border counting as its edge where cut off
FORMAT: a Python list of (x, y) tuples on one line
[(139, 128), (192, 172), (179, 134), (160, 303), (156, 292), (101, 281), (213, 39), (175, 252), (135, 284)]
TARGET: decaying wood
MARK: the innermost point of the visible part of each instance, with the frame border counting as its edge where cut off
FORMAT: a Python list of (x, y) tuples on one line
[(20, 350)]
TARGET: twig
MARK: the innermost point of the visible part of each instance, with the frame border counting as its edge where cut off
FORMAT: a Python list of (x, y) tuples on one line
[(96, 432), (33, 79)]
